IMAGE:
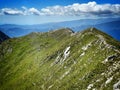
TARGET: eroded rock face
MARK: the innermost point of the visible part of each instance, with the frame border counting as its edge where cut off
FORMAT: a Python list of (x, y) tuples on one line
[(116, 86), (110, 58), (66, 53)]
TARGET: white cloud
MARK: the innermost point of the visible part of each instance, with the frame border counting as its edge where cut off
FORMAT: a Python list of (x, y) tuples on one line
[(9, 11), (76, 9), (25, 10), (90, 8), (34, 11)]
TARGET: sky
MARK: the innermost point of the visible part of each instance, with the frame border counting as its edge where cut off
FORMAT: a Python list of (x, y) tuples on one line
[(45, 11)]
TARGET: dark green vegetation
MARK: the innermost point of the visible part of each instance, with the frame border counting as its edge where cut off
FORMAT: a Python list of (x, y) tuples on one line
[(3, 37), (60, 60)]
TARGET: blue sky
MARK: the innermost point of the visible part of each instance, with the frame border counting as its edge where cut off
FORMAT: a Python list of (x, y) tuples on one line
[(45, 11), (44, 3)]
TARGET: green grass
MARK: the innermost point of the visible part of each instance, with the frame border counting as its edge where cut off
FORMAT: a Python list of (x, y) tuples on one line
[(31, 63)]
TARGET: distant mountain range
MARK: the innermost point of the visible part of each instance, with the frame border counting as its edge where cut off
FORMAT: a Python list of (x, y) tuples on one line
[(110, 26), (60, 60)]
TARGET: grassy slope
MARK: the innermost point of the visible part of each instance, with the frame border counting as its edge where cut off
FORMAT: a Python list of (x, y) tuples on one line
[(30, 63)]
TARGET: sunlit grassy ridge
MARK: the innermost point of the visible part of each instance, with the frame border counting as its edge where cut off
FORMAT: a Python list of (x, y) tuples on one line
[(60, 60)]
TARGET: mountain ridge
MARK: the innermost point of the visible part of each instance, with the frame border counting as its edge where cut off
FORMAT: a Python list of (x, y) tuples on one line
[(48, 61)]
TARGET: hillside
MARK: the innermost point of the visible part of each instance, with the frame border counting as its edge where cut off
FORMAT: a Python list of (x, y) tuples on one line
[(3, 37), (60, 60)]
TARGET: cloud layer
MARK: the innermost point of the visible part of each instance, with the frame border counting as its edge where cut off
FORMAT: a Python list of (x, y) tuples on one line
[(76, 9)]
